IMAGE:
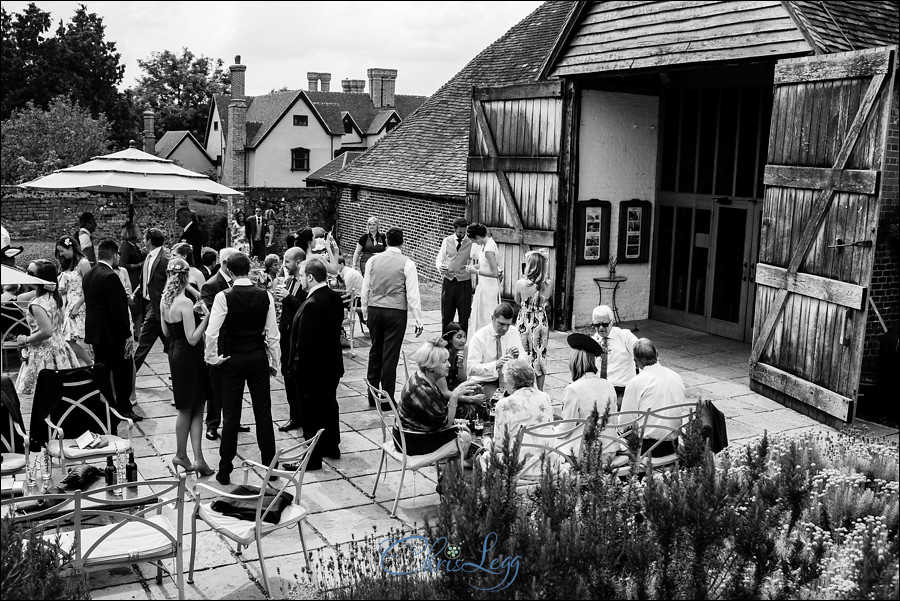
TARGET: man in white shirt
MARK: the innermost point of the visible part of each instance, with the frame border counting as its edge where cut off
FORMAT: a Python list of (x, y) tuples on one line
[(491, 347), (656, 387), (390, 291), (153, 282), (456, 286), (616, 363), (242, 338)]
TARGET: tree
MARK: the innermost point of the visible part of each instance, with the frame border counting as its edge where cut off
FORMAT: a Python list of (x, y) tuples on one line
[(178, 88), (34, 142)]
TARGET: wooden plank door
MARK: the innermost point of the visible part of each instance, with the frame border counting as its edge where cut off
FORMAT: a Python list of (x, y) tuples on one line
[(514, 170), (817, 241)]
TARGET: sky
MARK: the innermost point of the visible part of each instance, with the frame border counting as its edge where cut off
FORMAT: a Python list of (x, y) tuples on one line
[(427, 42)]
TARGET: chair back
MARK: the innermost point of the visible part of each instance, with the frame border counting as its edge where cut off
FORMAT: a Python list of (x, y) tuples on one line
[(405, 365), (387, 421), (13, 320), (615, 436), (73, 401), (551, 439), (299, 453), (680, 416)]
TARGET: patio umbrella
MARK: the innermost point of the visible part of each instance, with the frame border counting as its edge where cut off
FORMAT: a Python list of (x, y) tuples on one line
[(10, 276), (127, 171)]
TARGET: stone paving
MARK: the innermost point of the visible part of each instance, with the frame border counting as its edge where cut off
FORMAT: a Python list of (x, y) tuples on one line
[(339, 496)]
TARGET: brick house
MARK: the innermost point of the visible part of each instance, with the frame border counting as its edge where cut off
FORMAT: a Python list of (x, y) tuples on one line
[(691, 140), (275, 140)]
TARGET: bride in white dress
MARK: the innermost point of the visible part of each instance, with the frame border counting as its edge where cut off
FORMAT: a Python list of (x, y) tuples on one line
[(486, 265)]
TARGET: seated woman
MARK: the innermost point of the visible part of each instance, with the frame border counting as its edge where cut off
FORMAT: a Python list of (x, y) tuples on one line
[(588, 391), (425, 415), (454, 339)]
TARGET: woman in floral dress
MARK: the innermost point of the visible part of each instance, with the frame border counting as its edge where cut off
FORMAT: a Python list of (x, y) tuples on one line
[(44, 347), (73, 266), (532, 293)]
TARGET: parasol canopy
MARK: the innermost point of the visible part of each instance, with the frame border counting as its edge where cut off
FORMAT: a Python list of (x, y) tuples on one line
[(10, 276)]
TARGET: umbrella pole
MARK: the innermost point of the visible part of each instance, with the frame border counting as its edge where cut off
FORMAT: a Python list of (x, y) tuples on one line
[(131, 204), (229, 211)]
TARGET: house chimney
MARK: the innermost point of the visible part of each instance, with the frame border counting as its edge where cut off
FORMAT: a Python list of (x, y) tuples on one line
[(347, 85), (234, 172), (359, 86), (149, 133), (381, 87), (325, 78), (313, 78)]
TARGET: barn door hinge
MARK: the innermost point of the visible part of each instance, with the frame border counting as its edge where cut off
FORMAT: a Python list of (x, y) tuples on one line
[(839, 244)]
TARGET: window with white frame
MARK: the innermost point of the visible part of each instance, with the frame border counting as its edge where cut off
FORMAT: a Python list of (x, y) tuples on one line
[(299, 159)]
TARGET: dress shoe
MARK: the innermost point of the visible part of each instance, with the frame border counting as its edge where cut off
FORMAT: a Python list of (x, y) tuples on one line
[(223, 479), (291, 425), (243, 428), (290, 467), (134, 416), (211, 434), (333, 454)]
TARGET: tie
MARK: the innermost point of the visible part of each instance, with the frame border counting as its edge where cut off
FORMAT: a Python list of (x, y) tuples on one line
[(148, 265), (290, 287), (499, 348), (458, 243), (604, 357)]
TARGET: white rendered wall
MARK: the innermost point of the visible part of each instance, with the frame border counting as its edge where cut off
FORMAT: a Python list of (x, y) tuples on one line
[(616, 162), (189, 156), (215, 142)]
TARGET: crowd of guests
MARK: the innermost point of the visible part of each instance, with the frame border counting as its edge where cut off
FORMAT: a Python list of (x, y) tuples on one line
[(224, 328)]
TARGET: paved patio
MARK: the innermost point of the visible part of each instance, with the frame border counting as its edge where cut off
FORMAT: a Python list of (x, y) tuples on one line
[(339, 496)]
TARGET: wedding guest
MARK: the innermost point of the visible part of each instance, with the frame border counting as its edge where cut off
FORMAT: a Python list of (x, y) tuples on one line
[(588, 392), (244, 318), (291, 294), (185, 362), (617, 362), (532, 294), (86, 227), (369, 244), (131, 258), (153, 280), (255, 235), (73, 267), (456, 284), (492, 347), (45, 346), (191, 234), (196, 279), (454, 340), (238, 229), (210, 263), (390, 291)]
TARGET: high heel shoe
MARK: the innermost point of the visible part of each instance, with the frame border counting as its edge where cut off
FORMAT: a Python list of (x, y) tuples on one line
[(185, 465), (203, 469)]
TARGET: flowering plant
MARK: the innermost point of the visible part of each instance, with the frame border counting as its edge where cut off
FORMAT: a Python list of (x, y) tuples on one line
[(612, 267)]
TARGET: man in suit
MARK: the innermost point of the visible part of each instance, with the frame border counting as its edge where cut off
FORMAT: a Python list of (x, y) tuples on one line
[(209, 266), (242, 339), (107, 323), (153, 280), (191, 233), (291, 295), (222, 280), (256, 235), (317, 361)]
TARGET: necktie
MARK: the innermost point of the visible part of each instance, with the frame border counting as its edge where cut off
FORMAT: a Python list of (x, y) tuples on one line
[(148, 265), (458, 243), (499, 348), (604, 357), (291, 282)]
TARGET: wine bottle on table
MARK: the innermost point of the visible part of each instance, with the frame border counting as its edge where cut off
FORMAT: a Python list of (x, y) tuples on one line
[(110, 471), (131, 472)]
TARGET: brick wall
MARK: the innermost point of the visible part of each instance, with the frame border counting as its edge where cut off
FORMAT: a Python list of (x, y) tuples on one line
[(617, 161), (424, 223), (885, 285), (295, 207)]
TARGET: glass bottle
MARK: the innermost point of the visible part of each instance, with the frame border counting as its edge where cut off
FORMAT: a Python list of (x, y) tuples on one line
[(30, 475), (131, 471), (120, 473), (46, 468), (110, 471)]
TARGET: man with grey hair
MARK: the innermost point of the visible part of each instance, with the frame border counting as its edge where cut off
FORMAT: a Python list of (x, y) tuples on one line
[(656, 387), (616, 363)]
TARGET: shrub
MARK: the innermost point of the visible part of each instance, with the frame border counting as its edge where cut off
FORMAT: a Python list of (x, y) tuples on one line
[(31, 567)]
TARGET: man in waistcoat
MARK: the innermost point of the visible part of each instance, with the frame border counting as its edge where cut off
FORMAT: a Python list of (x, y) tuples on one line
[(456, 289), (291, 295), (242, 339), (390, 291)]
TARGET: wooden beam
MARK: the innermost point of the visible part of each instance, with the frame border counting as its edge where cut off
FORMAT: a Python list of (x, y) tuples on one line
[(821, 398), (515, 164), (508, 235), (551, 89), (813, 286), (823, 69), (855, 181)]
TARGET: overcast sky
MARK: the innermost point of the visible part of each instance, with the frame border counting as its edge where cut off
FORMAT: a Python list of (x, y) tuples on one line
[(427, 42)]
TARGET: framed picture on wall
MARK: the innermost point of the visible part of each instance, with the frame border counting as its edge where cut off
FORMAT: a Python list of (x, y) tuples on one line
[(592, 232), (634, 231)]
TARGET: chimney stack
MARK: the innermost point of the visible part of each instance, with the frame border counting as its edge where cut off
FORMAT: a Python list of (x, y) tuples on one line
[(313, 78), (325, 78), (381, 87), (149, 132), (347, 86), (359, 86), (233, 171)]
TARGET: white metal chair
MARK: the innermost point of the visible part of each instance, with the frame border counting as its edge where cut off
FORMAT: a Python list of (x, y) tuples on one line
[(243, 531), (81, 406), (405, 365), (350, 320), (554, 442), (133, 536), (14, 461), (388, 449)]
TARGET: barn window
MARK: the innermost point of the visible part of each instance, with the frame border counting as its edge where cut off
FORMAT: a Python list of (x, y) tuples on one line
[(299, 159), (301, 120)]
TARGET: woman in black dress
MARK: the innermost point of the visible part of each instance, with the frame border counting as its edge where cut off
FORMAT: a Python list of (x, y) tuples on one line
[(370, 243), (185, 362)]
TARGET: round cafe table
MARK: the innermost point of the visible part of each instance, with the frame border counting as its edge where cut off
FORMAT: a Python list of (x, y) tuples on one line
[(611, 283)]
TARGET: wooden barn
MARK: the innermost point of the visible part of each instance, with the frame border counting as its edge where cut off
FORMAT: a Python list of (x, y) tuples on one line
[(739, 161)]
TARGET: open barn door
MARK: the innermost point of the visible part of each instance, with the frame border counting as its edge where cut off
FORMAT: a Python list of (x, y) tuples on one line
[(514, 170), (817, 242)]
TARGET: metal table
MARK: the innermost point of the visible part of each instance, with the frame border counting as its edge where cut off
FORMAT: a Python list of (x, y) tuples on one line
[(612, 284)]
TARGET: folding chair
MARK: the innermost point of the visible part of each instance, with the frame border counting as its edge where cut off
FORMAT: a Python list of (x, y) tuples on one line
[(244, 531), (388, 449)]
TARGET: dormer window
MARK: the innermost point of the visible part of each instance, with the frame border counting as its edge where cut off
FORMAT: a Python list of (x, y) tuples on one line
[(299, 159), (348, 126), (301, 120), (215, 126), (392, 123)]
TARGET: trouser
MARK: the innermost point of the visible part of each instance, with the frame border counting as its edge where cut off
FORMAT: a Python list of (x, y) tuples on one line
[(151, 330), (320, 411), (214, 402), (456, 296), (253, 369), (259, 249), (292, 390), (386, 329), (120, 370)]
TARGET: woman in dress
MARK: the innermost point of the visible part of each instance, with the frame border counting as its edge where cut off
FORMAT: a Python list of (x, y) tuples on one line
[(370, 243), (45, 347), (532, 294), (238, 229), (486, 267), (185, 362), (185, 251), (73, 266)]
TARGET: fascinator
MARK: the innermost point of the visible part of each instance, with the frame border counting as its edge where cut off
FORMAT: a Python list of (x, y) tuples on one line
[(177, 265), (450, 331)]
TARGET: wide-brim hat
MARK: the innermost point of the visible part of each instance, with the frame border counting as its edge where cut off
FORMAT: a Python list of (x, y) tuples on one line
[(583, 342)]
